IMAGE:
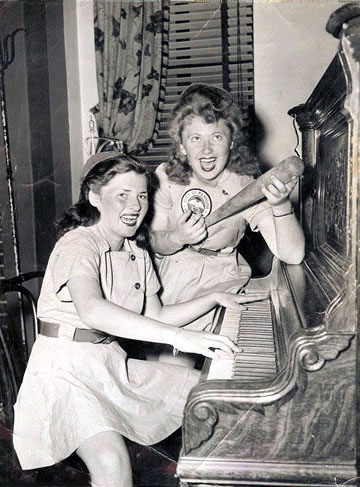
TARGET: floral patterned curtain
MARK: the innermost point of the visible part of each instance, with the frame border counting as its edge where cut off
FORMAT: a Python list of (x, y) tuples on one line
[(130, 40)]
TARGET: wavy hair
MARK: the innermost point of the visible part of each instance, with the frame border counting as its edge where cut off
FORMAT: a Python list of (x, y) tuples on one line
[(211, 104), (82, 213)]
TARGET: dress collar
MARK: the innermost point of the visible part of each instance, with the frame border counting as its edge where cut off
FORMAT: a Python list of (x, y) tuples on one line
[(129, 246), (224, 176)]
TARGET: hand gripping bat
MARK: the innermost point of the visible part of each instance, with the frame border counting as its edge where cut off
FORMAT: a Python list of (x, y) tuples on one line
[(285, 171)]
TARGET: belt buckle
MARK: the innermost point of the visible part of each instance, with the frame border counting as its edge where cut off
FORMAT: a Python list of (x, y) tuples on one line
[(227, 251), (108, 339), (202, 251), (66, 331), (208, 252), (103, 338)]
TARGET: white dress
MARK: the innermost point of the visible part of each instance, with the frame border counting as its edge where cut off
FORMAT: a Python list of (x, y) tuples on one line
[(187, 274), (72, 390)]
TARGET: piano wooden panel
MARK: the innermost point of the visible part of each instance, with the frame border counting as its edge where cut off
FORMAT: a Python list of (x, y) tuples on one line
[(297, 426)]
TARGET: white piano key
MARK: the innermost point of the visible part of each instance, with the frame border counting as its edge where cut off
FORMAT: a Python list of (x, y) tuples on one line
[(252, 330)]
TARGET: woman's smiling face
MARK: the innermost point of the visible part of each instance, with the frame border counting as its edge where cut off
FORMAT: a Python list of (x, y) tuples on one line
[(122, 204), (207, 147)]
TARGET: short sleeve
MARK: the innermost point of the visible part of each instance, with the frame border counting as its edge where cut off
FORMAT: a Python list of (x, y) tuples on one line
[(73, 258), (152, 281)]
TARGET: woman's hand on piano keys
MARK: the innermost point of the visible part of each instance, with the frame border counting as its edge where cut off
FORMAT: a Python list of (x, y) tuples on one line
[(237, 301), (204, 343)]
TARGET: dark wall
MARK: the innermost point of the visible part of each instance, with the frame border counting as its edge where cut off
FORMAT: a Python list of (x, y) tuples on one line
[(37, 114), (35, 85), (58, 104), (15, 78), (40, 127)]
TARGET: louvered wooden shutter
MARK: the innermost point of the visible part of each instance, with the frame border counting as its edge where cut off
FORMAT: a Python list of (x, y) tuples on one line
[(209, 42)]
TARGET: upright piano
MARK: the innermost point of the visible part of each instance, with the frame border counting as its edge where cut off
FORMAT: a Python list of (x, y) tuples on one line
[(285, 412)]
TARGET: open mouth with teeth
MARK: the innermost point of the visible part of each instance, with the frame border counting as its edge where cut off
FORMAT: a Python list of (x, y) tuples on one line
[(208, 164), (129, 220)]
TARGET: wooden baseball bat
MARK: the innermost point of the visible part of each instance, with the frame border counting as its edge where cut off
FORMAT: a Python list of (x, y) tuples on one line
[(285, 170)]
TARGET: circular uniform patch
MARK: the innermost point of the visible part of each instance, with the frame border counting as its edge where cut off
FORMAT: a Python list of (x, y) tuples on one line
[(196, 200)]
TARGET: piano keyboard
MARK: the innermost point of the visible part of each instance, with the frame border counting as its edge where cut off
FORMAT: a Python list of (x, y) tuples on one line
[(252, 330)]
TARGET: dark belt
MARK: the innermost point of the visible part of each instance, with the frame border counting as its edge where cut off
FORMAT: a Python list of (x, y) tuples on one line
[(80, 334), (208, 251)]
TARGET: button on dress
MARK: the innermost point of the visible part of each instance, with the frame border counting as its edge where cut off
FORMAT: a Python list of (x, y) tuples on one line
[(72, 390)]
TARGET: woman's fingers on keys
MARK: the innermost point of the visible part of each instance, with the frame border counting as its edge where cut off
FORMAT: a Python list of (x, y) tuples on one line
[(253, 292), (221, 354), (249, 298), (209, 353), (226, 344), (223, 346)]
